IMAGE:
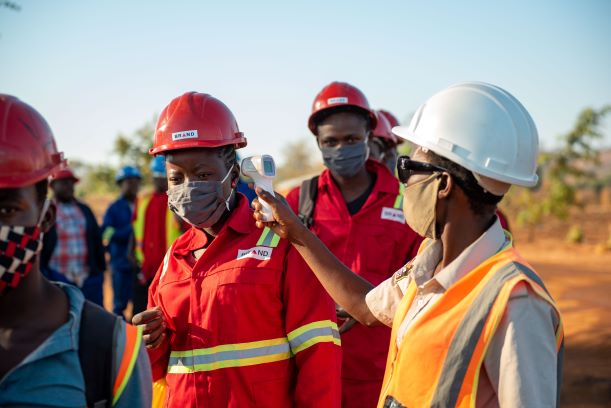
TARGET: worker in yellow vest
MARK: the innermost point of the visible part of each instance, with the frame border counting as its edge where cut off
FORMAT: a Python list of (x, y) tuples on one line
[(472, 323), (155, 229)]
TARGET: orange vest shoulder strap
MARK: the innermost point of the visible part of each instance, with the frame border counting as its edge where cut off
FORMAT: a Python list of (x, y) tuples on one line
[(130, 349)]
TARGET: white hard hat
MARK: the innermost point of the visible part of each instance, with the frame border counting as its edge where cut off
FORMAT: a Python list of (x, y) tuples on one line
[(482, 128)]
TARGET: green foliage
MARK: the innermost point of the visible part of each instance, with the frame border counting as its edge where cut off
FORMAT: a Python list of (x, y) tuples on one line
[(575, 235), (134, 149), (298, 160), (131, 150), (564, 170)]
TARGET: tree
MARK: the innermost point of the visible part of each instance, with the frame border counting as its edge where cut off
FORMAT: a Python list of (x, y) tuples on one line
[(298, 160), (563, 170), (134, 149)]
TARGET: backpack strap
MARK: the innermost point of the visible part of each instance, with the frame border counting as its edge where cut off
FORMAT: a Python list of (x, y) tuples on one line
[(307, 201), (97, 342)]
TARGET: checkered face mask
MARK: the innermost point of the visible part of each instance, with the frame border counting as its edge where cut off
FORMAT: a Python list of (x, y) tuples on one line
[(19, 247)]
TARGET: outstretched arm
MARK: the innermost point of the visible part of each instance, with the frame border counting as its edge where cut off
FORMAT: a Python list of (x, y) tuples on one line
[(344, 286)]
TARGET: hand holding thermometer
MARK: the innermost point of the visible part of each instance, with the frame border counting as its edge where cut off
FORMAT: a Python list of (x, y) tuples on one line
[(262, 170)]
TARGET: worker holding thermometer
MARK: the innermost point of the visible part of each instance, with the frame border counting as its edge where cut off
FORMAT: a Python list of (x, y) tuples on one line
[(235, 317)]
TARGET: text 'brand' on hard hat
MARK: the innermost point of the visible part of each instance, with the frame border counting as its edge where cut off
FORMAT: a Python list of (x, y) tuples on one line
[(340, 94), (196, 120)]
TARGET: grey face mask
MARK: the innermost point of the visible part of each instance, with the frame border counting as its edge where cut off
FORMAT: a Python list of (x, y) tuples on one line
[(200, 203), (347, 160)]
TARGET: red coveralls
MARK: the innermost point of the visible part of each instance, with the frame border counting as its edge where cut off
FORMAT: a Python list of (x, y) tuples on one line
[(249, 325), (374, 243)]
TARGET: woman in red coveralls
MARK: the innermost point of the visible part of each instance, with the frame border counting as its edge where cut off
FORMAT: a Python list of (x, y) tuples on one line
[(235, 317)]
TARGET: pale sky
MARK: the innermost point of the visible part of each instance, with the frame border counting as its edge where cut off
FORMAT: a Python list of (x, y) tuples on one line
[(96, 68)]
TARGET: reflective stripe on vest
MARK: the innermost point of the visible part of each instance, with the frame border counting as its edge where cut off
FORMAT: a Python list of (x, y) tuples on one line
[(268, 238), (172, 228), (399, 200), (452, 378), (133, 339), (253, 353)]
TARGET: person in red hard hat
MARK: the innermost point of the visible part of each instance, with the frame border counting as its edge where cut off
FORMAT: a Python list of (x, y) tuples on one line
[(73, 247), (383, 143), (235, 318), (56, 348), (354, 207)]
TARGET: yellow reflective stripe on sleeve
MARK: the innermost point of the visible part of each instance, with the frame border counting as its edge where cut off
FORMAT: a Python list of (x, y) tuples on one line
[(323, 331), (107, 235), (229, 355), (132, 361)]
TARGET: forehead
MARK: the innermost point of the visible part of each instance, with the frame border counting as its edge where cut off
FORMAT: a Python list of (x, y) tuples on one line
[(17, 194), (342, 122), (188, 159)]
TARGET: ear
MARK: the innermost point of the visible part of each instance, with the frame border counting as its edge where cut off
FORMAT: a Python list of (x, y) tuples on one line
[(49, 219), (235, 175), (445, 187)]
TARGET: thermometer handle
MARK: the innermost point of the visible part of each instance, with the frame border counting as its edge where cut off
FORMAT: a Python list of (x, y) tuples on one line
[(267, 210)]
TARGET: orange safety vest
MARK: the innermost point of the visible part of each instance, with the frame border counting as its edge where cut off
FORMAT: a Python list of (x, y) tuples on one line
[(172, 227), (439, 359)]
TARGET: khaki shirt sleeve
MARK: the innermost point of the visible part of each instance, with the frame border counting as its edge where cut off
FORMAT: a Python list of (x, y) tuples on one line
[(521, 361), (384, 299)]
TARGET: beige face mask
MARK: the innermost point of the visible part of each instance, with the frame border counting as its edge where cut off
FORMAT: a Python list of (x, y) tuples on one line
[(419, 204)]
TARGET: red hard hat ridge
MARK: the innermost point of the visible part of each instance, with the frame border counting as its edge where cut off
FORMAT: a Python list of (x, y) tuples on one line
[(28, 153), (383, 129), (64, 173), (196, 120), (393, 121), (340, 94)]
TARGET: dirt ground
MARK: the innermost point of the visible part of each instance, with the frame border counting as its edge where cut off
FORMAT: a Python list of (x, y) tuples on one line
[(579, 278)]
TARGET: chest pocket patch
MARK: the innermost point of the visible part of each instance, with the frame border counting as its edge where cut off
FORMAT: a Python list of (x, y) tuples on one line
[(259, 252), (393, 214)]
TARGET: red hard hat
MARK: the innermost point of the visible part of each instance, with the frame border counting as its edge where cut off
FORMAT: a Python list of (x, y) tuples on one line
[(382, 129), (392, 119), (338, 94), (28, 153), (196, 120), (64, 173)]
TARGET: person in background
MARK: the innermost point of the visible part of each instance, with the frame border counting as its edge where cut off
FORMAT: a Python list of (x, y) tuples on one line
[(72, 249), (117, 232), (235, 318), (156, 227), (383, 143), (357, 214), (245, 185), (56, 348)]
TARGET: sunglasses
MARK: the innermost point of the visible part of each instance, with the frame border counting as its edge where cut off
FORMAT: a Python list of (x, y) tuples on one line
[(406, 167)]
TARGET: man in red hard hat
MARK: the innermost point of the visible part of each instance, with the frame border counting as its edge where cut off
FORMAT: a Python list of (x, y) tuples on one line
[(383, 143), (73, 247), (56, 348), (354, 207), (235, 318)]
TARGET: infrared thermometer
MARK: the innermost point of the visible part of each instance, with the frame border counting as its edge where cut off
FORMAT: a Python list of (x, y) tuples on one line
[(262, 170)]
